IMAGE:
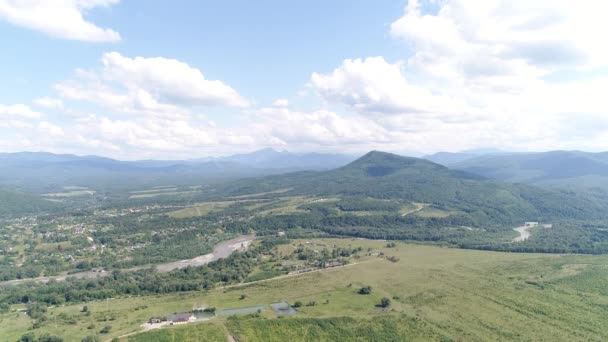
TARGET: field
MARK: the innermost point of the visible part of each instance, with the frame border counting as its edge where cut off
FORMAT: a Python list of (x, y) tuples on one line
[(436, 293)]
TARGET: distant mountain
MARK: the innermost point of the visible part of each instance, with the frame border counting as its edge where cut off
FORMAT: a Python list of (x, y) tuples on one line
[(271, 159), (450, 158), (42, 171), (557, 168)]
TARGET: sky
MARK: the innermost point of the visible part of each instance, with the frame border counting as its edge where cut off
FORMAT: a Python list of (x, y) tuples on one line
[(185, 79)]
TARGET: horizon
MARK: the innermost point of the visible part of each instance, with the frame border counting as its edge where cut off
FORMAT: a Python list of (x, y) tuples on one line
[(475, 152), (189, 80)]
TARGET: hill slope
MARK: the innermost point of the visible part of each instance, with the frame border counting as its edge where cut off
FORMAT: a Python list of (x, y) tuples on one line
[(452, 205)]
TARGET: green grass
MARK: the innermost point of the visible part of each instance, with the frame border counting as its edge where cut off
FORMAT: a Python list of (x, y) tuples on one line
[(385, 328), (436, 293), (200, 209), (211, 332), (71, 193), (164, 193)]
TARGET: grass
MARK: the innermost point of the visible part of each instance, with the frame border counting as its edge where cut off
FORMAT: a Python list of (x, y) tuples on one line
[(200, 209), (211, 332), (436, 293), (164, 193), (71, 193)]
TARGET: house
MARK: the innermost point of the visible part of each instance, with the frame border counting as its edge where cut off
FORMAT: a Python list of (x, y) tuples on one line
[(155, 320), (280, 234), (181, 318)]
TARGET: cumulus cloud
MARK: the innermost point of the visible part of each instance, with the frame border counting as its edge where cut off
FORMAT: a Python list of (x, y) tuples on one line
[(48, 102), (485, 73), (170, 80), (63, 19), (50, 129), (18, 111), (156, 86)]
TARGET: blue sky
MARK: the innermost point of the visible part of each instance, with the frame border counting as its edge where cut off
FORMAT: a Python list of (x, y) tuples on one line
[(196, 78)]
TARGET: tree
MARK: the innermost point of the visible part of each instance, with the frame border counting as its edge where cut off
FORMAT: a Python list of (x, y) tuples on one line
[(90, 339), (297, 304), (365, 290), (29, 337), (385, 302), (105, 329)]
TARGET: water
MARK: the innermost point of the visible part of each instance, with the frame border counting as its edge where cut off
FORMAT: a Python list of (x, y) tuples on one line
[(240, 311)]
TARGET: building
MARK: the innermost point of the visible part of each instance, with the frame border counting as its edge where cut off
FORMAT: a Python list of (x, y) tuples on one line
[(181, 318)]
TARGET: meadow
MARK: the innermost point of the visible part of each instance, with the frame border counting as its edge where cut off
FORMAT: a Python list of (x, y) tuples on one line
[(436, 293)]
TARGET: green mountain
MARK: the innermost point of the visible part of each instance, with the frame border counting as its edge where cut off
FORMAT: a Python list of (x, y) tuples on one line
[(556, 168), (455, 206)]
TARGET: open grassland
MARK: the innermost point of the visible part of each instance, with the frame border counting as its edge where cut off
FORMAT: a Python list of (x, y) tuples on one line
[(200, 209), (436, 294), (71, 193), (163, 192), (208, 332)]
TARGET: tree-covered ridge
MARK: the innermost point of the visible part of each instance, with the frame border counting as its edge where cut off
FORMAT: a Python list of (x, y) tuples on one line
[(387, 176)]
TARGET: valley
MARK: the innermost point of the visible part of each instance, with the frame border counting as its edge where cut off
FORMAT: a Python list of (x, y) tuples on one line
[(431, 244)]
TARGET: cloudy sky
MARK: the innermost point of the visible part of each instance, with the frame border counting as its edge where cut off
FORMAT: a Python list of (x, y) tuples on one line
[(165, 79)]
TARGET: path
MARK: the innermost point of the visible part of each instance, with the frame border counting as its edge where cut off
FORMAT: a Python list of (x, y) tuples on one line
[(524, 233)]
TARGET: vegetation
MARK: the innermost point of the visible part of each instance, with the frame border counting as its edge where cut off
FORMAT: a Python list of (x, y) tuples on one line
[(506, 296)]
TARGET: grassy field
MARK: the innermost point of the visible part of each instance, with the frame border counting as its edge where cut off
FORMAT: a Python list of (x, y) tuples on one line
[(436, 294)]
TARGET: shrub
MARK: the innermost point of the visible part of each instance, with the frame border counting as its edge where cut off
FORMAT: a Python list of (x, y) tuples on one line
[(365, 290)]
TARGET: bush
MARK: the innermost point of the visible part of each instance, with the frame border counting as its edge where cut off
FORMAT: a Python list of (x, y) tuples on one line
[(365, 290), (297, 304), (105, 329), (311, 303), (385, 302), (90, 339)]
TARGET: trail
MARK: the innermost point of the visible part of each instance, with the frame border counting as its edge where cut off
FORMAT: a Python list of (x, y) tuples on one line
[(524, 233), (419, 206), (297, 274)]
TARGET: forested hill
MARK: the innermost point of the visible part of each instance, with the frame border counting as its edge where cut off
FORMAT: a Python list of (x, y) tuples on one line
[(481, 201)]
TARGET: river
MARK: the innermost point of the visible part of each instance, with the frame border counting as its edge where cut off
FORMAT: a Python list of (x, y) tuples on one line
[(220, 251)]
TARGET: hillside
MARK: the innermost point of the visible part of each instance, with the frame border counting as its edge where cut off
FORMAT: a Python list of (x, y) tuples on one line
[(383, 195), (554, 168)]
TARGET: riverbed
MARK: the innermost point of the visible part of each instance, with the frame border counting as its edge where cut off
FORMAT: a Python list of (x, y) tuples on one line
[(220, 251)]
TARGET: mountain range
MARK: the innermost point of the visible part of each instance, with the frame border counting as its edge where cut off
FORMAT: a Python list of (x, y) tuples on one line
[(554, 168), (42, 171)]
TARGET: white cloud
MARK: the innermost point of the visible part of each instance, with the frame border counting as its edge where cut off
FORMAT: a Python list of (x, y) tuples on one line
[(150, 86), (18, 110), (480, 75), (280, 103), (169, 80), (48, 102), (50, 129), (62, 19)]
